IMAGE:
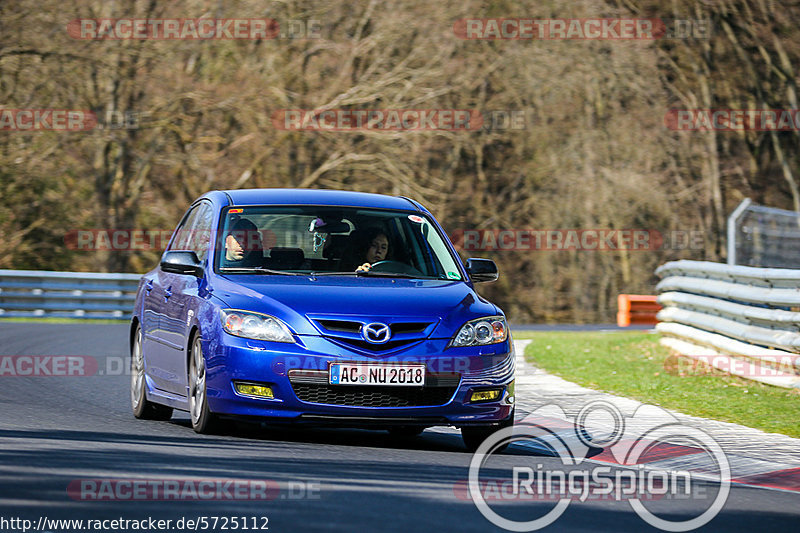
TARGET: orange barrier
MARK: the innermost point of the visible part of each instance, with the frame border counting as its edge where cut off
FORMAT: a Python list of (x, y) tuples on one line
[(636, 309)]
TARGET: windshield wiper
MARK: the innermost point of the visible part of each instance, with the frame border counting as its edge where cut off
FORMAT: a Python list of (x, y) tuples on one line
[(386, 274), (257, 270), (368, 273)]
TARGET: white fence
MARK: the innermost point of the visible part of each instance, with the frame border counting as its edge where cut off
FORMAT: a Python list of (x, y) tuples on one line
[(742, 320), (34, 293)]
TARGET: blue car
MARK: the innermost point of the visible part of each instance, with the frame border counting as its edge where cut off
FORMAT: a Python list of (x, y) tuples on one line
[(320, 307)]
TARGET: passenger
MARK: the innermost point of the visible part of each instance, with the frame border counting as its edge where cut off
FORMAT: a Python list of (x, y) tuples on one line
[(370, 247)]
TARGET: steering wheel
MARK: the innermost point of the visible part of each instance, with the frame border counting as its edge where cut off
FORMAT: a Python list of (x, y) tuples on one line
[(396, 267)]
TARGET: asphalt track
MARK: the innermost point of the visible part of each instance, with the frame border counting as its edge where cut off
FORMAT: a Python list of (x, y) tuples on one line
[(55, 430)]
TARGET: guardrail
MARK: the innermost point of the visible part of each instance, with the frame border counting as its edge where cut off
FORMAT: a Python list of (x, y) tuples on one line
[(35, 293), (742, 320)]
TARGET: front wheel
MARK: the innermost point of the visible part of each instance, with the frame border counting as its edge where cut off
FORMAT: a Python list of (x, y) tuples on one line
[(142, 407), (203, 420), (474, 436)]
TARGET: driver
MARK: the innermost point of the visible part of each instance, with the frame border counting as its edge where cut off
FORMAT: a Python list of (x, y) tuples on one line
[(374, 247), (243, 246)]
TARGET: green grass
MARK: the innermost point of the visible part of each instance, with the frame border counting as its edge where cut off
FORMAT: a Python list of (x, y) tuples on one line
[(635, 365)]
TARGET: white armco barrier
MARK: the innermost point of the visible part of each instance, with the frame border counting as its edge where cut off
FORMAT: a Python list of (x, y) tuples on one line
[(743, 320)]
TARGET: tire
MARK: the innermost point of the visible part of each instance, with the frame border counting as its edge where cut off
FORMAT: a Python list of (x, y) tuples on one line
[(203, 420), (405, 432), (142, 407), (474, 436)]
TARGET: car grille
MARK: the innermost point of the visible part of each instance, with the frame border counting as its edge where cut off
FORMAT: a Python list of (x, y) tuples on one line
[(312, 386), (346, 332), (366, 346), (351, 326)]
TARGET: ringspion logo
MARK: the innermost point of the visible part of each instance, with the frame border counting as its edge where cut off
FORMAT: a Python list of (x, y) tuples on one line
[(634, 442)]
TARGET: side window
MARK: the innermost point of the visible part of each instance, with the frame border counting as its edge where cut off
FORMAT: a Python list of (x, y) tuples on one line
[(182, 234), (201, 231), (195, 232)]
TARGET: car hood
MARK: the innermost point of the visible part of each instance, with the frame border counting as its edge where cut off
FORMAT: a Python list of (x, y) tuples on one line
[(295, 298)]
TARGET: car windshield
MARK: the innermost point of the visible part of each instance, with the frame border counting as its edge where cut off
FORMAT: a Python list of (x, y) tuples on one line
[(332, 241)]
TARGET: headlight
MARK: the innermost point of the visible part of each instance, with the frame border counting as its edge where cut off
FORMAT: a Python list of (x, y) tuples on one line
[(489, 330), (255, 326)]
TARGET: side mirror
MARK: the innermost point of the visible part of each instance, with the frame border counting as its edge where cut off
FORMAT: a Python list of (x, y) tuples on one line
[(482, 270), (182, 262)]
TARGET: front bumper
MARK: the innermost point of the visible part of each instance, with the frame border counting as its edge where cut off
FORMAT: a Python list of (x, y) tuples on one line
[(456, 373)]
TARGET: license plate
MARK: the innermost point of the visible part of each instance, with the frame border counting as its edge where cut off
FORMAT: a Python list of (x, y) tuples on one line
[(366, 374)]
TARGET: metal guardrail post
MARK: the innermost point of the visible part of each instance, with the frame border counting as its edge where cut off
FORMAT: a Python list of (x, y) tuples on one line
[(732, 220)]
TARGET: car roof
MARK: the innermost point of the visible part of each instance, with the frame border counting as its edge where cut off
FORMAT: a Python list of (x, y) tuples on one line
[(318, 197)]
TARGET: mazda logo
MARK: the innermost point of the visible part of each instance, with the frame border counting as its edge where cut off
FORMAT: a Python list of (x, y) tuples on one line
[(376, 333)]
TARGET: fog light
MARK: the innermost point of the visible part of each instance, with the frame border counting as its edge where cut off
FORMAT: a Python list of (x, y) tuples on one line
[(253, 389), (486, 395), (510, 399)]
